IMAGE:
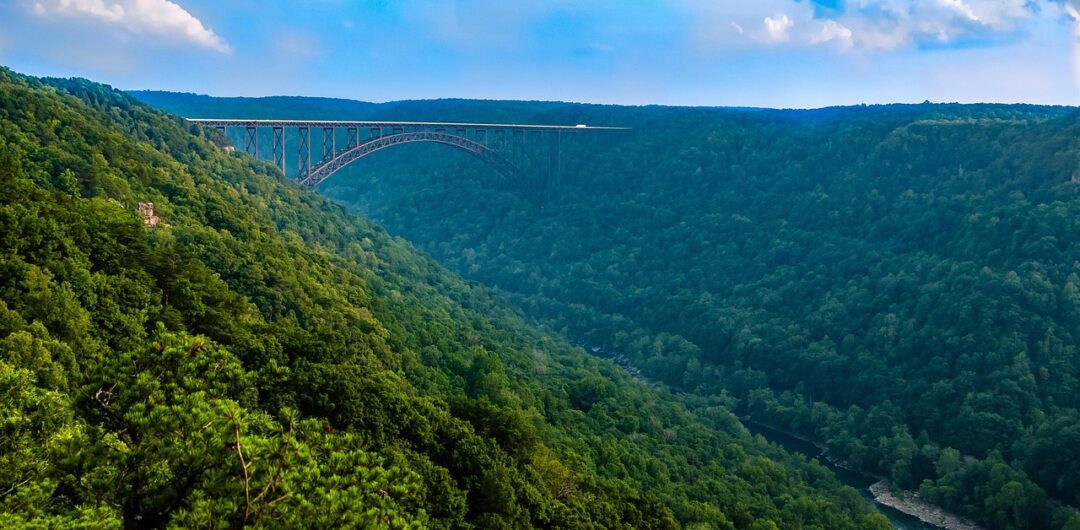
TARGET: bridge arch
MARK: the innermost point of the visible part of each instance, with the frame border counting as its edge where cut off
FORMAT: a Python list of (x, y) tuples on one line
[(337, 161), (512, 149)]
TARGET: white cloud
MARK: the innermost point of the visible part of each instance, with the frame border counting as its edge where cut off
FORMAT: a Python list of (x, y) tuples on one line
[(960, 7), (833, 31), (157, 17), (1074, 14), (881, 25), (866, 25), (776, 29)]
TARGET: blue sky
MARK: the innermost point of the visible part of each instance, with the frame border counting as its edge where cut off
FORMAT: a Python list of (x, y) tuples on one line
[(775, 53)]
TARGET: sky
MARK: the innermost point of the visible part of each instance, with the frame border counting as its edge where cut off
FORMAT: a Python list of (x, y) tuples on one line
[(762, 53)]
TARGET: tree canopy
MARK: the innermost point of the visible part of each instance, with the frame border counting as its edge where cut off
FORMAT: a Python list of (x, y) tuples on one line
[(899, 282), (262, 358)]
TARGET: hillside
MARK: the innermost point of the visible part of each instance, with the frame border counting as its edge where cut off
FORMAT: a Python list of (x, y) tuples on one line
[(309, 108), (895, 282), (900, 282), (260, 357)]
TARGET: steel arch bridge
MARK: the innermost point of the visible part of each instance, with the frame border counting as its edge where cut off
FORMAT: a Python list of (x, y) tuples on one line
[(518, 152)]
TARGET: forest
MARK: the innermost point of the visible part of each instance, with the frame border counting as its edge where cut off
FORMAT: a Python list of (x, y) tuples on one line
[(258, 356), (898, 282)]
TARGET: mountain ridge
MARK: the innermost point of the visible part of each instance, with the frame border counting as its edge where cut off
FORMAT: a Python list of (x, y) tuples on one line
[(897, 282), (263, 358)]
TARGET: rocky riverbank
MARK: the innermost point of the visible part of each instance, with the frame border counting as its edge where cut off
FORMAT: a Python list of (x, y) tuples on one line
[(911, 504)]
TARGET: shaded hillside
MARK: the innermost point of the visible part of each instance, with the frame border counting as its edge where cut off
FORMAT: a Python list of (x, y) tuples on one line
[(263, 358), (900, 282)]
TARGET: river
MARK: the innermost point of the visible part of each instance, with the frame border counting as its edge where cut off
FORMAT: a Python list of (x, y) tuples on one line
[(899, 520), (793, 444)]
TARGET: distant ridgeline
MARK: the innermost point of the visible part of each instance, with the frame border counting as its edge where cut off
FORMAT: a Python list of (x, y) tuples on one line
[(188, 340), (899, 282)]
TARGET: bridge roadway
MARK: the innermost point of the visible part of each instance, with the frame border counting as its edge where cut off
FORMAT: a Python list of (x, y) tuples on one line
[(338, 124), (500, 145)]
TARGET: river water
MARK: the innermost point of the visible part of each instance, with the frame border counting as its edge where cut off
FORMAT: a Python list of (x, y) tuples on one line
[(861, 483), (899, 520)]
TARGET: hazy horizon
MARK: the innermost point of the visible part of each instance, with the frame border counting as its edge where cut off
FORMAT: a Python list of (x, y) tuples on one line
[(772, 54), (551, 101)]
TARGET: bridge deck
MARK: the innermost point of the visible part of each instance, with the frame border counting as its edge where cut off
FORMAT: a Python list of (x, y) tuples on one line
[(224, 122)]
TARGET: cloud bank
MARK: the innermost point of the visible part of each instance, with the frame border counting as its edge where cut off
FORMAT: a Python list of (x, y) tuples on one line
[(161, 18), (871, 25)]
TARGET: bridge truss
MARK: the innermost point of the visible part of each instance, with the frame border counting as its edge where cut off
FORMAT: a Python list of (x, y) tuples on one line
[(521, 153)]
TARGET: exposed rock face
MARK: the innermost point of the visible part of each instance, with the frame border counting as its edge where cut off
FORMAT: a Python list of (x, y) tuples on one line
[(146, 211), (912, 504)]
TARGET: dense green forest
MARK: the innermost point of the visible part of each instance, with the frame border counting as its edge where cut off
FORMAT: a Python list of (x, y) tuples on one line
[(263, 358), (899, 282)]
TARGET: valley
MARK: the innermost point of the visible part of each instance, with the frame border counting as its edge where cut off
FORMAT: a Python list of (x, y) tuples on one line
[(256, 356), (892, 281), (561, 265)]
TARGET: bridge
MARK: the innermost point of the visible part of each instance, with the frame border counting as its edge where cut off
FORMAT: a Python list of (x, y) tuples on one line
[(515, 151)]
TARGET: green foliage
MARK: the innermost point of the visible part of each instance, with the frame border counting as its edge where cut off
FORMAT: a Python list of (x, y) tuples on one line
[(894, 281), (261, 358)]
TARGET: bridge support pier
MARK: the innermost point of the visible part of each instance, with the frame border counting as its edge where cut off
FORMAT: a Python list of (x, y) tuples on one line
[(279, 148), (329, 143), (303, 151), (251, 146), (529, 155)]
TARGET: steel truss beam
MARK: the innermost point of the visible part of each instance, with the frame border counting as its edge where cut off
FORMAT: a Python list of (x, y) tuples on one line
[(303, 151), (503, 146), (329, 143), (279, 148), (251, 147), (337, 124), (325, 171)]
